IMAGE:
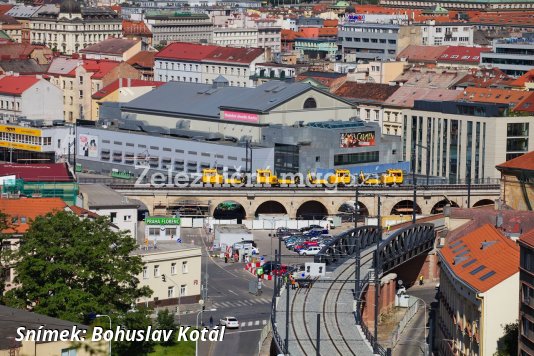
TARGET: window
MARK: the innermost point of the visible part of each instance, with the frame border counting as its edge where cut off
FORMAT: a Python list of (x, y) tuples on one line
[(173, 268), (171, 231), (153, 232), (81, 94), (80, 78), (183, 290), (145, 272), (113, 217), (184, 267), (127, 218), (310, 103), (170, 292), (68, 352), (156, 270)]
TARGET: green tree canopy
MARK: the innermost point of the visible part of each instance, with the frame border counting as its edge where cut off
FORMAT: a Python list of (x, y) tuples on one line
[(68, 267)]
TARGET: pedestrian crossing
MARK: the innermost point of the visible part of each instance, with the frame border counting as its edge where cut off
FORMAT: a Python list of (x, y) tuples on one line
[(245, 324), (240, 303)]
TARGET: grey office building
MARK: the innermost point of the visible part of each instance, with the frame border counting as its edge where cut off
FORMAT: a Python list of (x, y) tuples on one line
[(368, 41), (127, 145), (514, 56), (330, 145)]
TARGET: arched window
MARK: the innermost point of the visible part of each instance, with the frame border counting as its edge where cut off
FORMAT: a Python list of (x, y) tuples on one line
[(310, 103)]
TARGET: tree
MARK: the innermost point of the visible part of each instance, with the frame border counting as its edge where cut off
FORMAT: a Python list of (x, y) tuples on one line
[(69, 267), (507, 345), (134, 320), (165, 321), (4, 252)]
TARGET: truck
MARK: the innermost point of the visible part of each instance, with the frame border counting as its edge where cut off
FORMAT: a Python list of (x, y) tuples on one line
[(390, 177), (333, 221), (212, 176), (267, 177), (338, 177)]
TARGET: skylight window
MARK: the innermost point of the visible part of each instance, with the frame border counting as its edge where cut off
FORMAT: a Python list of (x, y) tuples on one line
[(478, 269), (487, 275)]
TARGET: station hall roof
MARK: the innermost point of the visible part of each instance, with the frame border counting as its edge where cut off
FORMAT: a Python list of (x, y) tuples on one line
[(204, 100), (38, 172)]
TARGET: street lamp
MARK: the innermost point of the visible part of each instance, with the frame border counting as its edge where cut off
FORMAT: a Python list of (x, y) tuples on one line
[(106, 316), (196, 342), (164, 276)]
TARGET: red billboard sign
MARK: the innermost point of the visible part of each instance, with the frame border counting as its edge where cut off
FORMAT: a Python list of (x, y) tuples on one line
[(240, 116)]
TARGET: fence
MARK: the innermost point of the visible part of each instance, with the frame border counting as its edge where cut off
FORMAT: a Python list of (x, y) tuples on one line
[(264, 334), (259, 224), (408, 315)]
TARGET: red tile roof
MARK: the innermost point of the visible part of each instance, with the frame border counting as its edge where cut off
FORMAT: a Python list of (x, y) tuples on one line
[(405, 96), (16, 85), (124, 82), (185, 51), (492, 95), (233, 55), (330, 23), (487, 247), (17, 50), (462, 54), (523, 162), (135, 28), (5, 8), (366, 91), (112, 45), (83, 212), (485, 78), (526, 105), (528, 77), (39, 172), (528, 238), (143, 59), (414, 53), (28, 208), (99, 68)]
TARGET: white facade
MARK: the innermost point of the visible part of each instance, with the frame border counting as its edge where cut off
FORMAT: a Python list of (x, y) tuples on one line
[(181, 265), (68, 33), (447, 35), (168, 70), (235, 37), (42, 101), (237, 75), (124, 218)]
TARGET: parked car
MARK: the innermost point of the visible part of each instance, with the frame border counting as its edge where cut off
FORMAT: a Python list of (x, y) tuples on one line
[(230, 322), (308, 228), (284, 231), (313, 250)]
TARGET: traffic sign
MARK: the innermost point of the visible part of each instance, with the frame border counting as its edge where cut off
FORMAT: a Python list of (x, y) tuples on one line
[(179, 241), (259, 271)]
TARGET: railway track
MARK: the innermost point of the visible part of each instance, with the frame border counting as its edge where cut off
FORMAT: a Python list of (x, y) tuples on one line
[(330, 305)]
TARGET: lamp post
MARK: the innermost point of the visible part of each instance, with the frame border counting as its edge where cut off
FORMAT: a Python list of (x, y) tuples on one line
[(164, 276), (357, 255), (107, 316), (196, 342)]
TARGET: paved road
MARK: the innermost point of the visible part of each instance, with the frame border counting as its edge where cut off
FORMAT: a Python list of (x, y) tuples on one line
[(412, 339), (228, 294)]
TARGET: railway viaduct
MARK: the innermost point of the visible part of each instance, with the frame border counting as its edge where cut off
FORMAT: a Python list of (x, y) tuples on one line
[(308, 202)]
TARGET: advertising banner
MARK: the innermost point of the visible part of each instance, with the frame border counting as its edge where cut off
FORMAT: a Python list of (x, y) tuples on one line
[(20, 130), (240, 116), (357, 139), (88, 145)]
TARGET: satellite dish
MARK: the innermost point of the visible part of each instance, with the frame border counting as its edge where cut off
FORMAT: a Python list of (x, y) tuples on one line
[(400, 282)]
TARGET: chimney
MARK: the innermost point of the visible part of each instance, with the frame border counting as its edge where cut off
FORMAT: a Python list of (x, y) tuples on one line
[(498, 220)]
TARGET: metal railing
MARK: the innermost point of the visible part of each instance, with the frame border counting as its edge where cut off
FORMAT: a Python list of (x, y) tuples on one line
[(408, 315), (278, 341)]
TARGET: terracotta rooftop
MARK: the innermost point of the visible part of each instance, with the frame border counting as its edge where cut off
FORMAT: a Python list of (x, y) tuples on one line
[(523, 162), (17, 50), (483, 258), (112, 45), (37, 172), (493, 95), (185, 51), (99, 67), (124, 82), (528, 77), (526, 105), (486, 78), (233, 55), (16, 85), (135, 28), (143, 59), (366, 91), (406, 96), (462, 54), (422, 54), (528, 238), (23, 209), (430, 77)]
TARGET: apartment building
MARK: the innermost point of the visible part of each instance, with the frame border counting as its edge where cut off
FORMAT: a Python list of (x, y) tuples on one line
[(80, 78), (71, 27), (368, 41), (172, 271), (168, 27), (197, 63), (526, 297), (452, 34), (31, 97), (479, 280)]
